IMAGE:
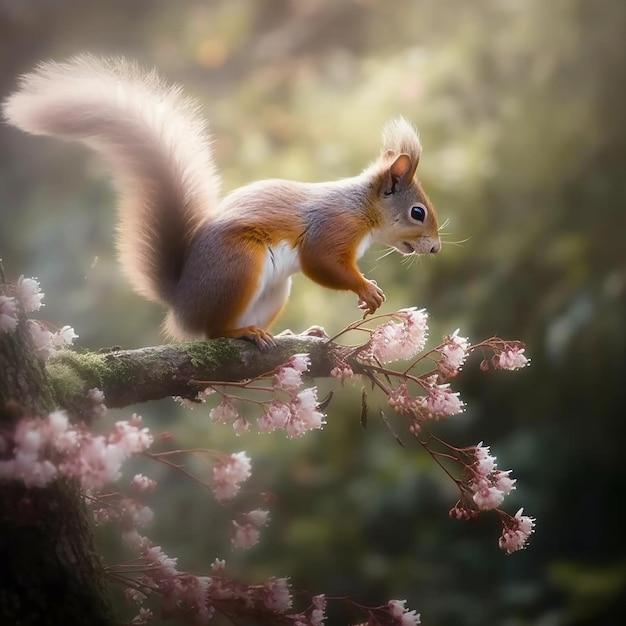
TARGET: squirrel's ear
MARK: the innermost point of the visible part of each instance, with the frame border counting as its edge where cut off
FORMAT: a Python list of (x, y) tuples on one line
[(401, 172)]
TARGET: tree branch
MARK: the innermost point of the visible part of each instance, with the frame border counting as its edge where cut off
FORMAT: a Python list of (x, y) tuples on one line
[(133, 376)]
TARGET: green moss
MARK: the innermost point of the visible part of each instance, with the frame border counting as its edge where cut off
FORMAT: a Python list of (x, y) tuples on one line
[(93, 368), (211, 353), (66, 382)]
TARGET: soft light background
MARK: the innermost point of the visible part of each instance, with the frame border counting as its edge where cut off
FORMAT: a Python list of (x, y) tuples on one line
[(521, 106)]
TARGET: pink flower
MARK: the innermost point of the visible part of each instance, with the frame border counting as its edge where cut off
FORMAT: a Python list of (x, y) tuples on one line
[(228, 474), (258, 517), (515, 532), (276, 416), (299, 362), (244, 535), (440, 402), (64, 337), (484, 464), (165, 565), (142, 483), (461, 512), (402, 615), (135, 513), (29, 294), (96, 397), (453, 355), (135, 541), (511, 359), (488, 497), (130, 438), (223, 413), (319, 606), (241, 426), (305, 409), (341, 371), (489, 484), (502, 481), (399, 340), (400, 400), (277, 595), (287, 379), (218, 565)]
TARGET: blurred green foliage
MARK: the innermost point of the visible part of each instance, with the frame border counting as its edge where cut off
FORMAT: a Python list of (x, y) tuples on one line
[(521, 111)]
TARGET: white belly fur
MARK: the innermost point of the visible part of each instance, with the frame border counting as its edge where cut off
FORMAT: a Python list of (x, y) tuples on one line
[(366, 242), (274, 284)]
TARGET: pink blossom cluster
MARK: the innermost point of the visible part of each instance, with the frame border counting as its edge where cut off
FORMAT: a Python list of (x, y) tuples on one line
[(395, 340), (342, 371), (41, 449), (96, 397), (489, 485), (29, 294), (224, 412), (296, 415), (516, 531), (228, 474), (181, 593), (403, 616), (512, 358), (199, 399), (509, 355), (246, 532), (299, 414), (141, 483), (453, 353), (439, 401), (45, 341), (195, 598), (129, 512), (288, 377)]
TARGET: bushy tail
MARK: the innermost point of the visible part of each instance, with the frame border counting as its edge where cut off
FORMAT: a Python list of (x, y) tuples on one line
[(156, 142)]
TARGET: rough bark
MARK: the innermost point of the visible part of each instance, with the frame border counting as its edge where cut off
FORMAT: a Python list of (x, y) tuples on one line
[(132, 376), (50, 573)]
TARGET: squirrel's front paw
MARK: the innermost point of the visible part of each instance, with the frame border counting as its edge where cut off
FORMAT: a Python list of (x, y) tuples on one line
[(371, 297)]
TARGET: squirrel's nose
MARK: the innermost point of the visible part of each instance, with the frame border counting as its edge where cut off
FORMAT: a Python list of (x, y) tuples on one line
[(436, 248)]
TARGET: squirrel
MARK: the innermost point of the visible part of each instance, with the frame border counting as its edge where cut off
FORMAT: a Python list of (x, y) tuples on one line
[(222, 266)]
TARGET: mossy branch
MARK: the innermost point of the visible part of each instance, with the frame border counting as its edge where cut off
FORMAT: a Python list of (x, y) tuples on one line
[(134, 376)]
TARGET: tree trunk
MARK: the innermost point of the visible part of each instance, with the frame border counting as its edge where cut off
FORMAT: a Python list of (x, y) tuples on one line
[(50, 573)]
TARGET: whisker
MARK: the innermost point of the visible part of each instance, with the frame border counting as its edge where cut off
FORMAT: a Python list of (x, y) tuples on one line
[(385, 254), (457, 243), (445, 223), (410, 260)]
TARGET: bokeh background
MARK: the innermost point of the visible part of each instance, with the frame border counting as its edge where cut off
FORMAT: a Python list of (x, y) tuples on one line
[(521, 108)]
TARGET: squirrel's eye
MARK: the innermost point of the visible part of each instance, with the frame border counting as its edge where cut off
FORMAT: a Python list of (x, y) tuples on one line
[(418, 213)]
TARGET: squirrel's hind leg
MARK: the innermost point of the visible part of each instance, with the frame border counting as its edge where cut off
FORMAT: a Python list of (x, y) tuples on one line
[(259, 336)]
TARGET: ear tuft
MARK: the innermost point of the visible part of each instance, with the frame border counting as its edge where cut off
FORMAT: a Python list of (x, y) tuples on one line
[(400, 137)]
